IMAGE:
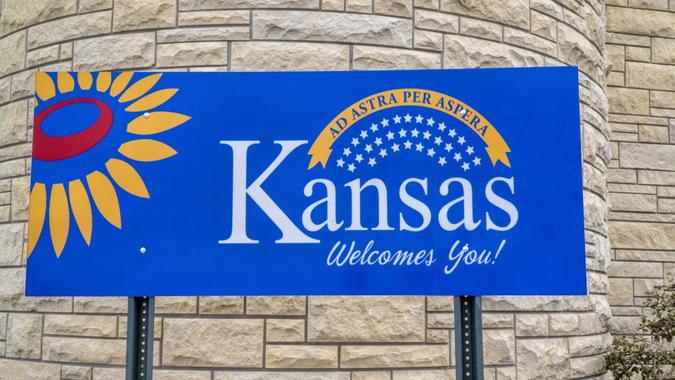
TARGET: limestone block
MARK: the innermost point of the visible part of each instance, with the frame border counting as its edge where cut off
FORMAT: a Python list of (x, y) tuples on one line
[(589, 344), (428, 4), (210, 33), (652, 76), (437, 336), (3, 326), (5, 89), (564, 324), (382, 58), (630, 268), (438, 21), (285, 330), (289, 56), (81, 325), (633, 202), (480, 28), (647, 156), (621, 175), (463, 51), (64, 29), (575, 49), (531, 41), (628, 100), (531, 324), (122, 51), (436, 374), (18, 14), (221, 305), (587, 366), (230, 4), (499, 347), (72, 372), (95, 5), (440, 320), (620, 291), (624, 325), (652, 23), (644, 287), (638, 53), (392, 356), (497, 320), (24, 333), (42, 56), (440, 303), (514, 13), (176, 305), (365, 319), (400, 8), (359, 6), (280, 375), (617, 57), (143, 14), (667, 205), (662, 99), (428, 40), (213, 17), (29, 370), (100, 304), (84, 350), (543, 25), (653, 133), (164, 374), (301, 356), (11, 241), (275, 305), (192, 53), (653, 177), (329, 26), (663, 50), (20, 195), (543, 358), (371, 375), (213, 342), (13, 48)]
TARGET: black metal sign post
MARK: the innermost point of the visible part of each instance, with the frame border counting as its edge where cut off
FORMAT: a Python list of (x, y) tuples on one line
[(468, 338), (140, 327)]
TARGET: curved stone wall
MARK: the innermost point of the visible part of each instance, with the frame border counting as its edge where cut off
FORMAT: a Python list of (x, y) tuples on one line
[(298, 337)]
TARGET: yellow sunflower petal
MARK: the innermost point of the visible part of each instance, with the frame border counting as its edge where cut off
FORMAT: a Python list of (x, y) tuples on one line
[(65, 82), (59, 217), (44, 86), (139, 88), (84, 79), (146, 150), (156, 122), (120, 83), (79, 201), (151, 101), (127, 177), (105, 197), (36, 218), (102, 81)]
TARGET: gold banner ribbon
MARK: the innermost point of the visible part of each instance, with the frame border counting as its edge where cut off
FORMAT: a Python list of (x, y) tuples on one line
[(496, 147)]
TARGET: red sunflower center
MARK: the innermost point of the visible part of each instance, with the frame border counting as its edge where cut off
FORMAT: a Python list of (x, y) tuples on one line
[(54, 148)]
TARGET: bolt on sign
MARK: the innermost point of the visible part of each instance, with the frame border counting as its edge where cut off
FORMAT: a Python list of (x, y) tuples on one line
[(319, 183)]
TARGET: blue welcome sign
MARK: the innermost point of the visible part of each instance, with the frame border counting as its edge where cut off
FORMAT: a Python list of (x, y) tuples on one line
[(439, 182)]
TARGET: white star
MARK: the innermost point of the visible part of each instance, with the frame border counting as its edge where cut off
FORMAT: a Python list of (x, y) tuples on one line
[(340, 162), (359, 158), (441, 161), (407, 144), (369, 148), (397, 119), (415, 132), (461, 140), (395, 148), (407, 118), (385, 122), (457, 157), (452, 133), (372, 162), (346, 151), (364, 133), (438, 140), (476, 161), (430, 122), (378, 141), (469, 150), (441, 127), (383, 153), (418, 119), (426, 135), (390, 135), (419, 147), (465, 166), (431, 152), (373, 127), (448, 147), (402, 133), (351, 168), (355, 141)]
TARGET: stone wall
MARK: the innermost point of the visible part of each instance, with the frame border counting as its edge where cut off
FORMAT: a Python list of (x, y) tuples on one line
[(354, 338), (642, 171)]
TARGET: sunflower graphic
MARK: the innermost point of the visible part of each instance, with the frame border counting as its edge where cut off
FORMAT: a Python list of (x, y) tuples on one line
[(81, 167)]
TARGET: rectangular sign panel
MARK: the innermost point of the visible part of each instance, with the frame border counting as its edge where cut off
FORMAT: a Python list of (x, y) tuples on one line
[(391, 182)]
